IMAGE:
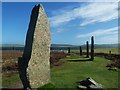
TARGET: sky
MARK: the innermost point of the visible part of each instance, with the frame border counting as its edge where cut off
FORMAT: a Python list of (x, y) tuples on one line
[(70, 22)]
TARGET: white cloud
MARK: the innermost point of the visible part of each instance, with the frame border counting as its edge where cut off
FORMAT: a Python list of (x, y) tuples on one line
[(58, 31), (107, 36), (110, 39), (99, 12), (89, 13), (100, 32)]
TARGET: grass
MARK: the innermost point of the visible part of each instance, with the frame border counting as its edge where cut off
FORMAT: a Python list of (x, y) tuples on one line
[(49, 85), (69, 73), (101, 50), (10, 79), (106, 50), (77, 58)]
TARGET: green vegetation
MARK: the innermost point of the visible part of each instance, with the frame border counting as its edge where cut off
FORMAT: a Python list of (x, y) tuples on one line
[(83, 57), (66, 75), (49, 85), (10, 79), (106, 50), (100, 50)]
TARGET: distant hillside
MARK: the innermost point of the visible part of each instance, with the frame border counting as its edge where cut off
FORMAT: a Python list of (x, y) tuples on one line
[(66, 45), (76, 47), (84, 46), (56, 46), (11, 45), (106, 46), (62, 45)]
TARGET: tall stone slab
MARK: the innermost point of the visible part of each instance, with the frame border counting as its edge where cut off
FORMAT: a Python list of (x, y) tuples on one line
[(34, 66)]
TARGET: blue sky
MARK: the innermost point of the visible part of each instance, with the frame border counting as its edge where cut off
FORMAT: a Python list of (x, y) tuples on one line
[(70, 23)]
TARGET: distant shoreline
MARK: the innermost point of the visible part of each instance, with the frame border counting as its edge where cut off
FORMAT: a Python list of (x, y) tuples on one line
[(57, 46)]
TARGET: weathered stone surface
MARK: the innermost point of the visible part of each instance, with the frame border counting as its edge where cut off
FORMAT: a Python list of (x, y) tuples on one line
[(37, 51), (89, 83)]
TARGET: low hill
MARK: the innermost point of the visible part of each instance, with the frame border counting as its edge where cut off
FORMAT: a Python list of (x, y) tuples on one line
[(84, 46), (57, 46)]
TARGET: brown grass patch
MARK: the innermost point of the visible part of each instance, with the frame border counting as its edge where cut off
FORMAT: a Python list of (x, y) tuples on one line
[(11, 54)]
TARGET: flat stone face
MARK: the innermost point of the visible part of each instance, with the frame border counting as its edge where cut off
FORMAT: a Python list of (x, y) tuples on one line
[(39, 67)]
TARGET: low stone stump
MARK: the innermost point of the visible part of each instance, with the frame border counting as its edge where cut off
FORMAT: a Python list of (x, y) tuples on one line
[(89, 83)]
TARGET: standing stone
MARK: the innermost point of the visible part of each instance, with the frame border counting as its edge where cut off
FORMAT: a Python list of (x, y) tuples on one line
[(87, 49), (34, 67), (92, 48), (80, 50), (69, 50)]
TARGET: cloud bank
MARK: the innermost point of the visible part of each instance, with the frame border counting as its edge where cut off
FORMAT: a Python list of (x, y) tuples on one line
[(88, 14), (100, 32)]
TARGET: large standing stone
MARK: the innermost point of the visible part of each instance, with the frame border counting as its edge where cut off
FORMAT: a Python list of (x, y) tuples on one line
[(34, 66)]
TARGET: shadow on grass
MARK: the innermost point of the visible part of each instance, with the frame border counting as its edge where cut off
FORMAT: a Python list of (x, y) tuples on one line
[(79, 60)]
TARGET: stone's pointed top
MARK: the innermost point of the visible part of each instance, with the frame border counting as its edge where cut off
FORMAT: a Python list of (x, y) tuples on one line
[(39, 6), (34, 8)]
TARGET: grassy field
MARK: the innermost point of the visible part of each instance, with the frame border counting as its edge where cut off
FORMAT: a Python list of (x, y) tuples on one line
[(101, 50), (106, 50), (10, 79), (66, 75)]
